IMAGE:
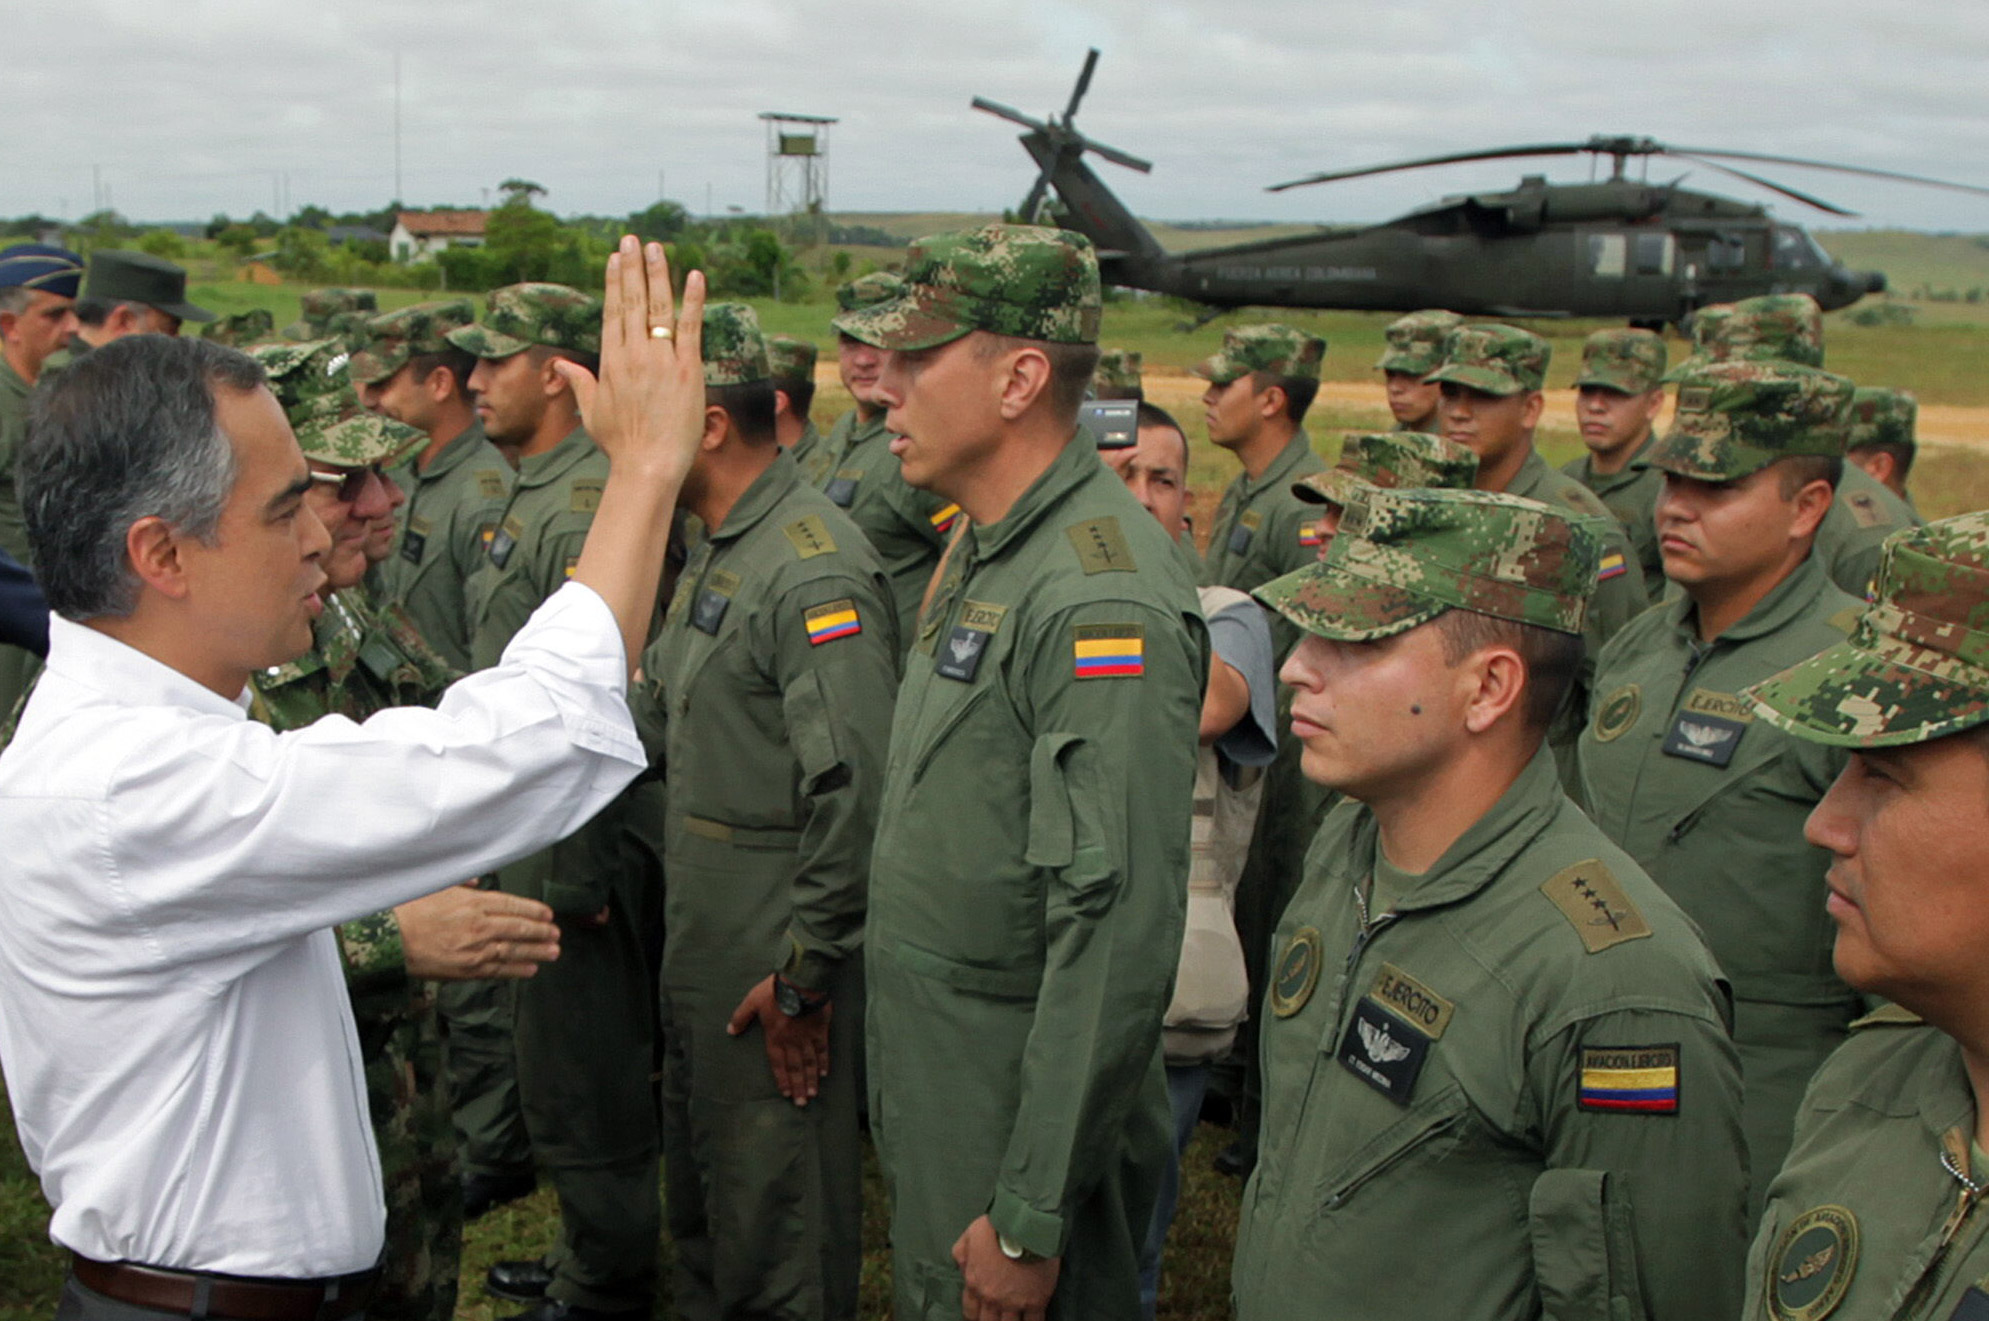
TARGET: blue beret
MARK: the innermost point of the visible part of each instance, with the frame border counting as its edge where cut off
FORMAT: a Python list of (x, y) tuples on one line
[(41, 266)]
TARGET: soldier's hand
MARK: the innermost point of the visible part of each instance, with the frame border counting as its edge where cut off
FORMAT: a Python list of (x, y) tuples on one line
[(996, 1287), (647, 406), (465, 934), (797, 1048)]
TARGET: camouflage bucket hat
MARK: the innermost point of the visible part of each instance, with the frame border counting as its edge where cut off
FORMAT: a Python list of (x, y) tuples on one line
[(240, 329), (1627, 361), (1768, 328), (387, 341), (1916, 666), (869, 291), (791, 359), (1500, 360), (1401, 558), (336, 429), (1022, 280), (1736, 418), (319, 306), (1393, 460), (1415, 342), (1118, 375), (735, 352), (1279, 350), (302, 374), (1881, 417), (521, 315)]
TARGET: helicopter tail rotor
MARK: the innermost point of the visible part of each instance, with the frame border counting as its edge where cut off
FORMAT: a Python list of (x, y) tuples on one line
[(1060, 135)]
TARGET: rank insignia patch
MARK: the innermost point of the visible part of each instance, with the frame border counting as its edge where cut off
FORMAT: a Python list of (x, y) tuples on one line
[(1111, 651), (1641, 1080), (837, 619), (1589, 896)]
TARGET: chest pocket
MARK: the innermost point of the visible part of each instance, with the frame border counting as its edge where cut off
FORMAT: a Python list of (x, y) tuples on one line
[(1429, 1127), (1244, 533), (841, 489)]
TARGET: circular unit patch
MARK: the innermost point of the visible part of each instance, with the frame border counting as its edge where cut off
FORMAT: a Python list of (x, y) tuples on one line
[(1812, 1264), (1618, 712), (1297, 973)]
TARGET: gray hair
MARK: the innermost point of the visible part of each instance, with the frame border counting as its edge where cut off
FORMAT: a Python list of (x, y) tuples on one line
[(126, 432), (15, 298)]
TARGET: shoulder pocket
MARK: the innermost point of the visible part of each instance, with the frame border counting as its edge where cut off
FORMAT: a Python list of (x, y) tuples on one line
[(1584, 1256), (1065, 834), (813, 732)]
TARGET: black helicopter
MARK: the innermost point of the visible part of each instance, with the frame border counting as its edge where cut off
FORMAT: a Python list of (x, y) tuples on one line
[(1618, 247)]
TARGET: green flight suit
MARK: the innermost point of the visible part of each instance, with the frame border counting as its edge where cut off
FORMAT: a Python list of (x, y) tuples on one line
[(1262, 531), (907, 527), (585, 1024), (1862, 516), (810, 452), (1711, 802), (1631, 495), (1026, 903), (1510, 1095), (1866, 1222), (772, 681), (364, 662), (17, 666)]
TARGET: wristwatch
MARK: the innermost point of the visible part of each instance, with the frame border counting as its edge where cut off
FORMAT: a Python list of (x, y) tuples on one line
[(1015, 1251), (795, 1002)]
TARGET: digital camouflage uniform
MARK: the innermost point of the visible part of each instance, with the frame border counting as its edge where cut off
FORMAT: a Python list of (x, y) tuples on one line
[(1871, 1215), (333, 312), (1117, 375), (907, 527), (1415, 345), (1026, 889), (363, 662), (1627, 362), (766, 700), (1509, 1093), (238, 330), (585, 1026), (1711, 802), (792, 362)]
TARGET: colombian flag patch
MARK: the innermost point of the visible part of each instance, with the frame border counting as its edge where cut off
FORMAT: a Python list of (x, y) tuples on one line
[(1311, 534), (942, 519), (1613, 566), (837, 619), (1110, 651), (1640, 1080)]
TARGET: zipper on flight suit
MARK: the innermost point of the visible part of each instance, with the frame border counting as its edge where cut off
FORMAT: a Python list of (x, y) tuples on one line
[(1954, 1160)]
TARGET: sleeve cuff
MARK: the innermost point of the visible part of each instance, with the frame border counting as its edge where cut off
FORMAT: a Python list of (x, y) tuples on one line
[(808, 969), (1026, 1227), (370, 947)]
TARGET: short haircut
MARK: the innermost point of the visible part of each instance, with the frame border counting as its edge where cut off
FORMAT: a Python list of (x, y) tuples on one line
[(800, 394), (457, 363), (1153, 415), (1071, 366), (1799, 470), (544, 353), (125, 432), (1902, 455), (1300, 391), (96, 311), (1553, 659), (15, 299), (750, 406)]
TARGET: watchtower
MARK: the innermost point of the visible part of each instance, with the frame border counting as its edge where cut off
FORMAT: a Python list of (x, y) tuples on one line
[(798, 171)]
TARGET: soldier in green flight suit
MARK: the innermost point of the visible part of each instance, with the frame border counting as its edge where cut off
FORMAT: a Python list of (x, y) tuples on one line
[(1498, 1083), (585, 1027), (1619, 394), (1672, 765), (766, 699), (907, 528), (457, 484), (792, 362), (1882, 440), (1878, 1211), (362, 663), (1415, 349), (1025, 895)]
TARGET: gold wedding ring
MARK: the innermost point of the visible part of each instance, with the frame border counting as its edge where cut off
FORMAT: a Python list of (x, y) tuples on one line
[(661, 332)]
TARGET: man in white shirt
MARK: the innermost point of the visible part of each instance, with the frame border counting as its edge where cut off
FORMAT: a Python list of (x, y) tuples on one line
[(174, 1027)]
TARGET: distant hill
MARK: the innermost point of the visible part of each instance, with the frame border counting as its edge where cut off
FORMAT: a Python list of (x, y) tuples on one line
[(1912, 261), (1183, 237)]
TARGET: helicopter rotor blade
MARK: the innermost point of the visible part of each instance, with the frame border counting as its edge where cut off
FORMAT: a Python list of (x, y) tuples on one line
[(1083, 84), (1009, 113), (1755, 179), (1451, 158), (1117, 157), (1830, 165), (1034, 201)]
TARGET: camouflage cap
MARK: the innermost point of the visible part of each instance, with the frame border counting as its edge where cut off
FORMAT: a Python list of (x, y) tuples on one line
[(791, 359), (1916, 665), (302, 374), (735, 352), (387, 341), (1396, 460), (338, 430), (1118, 375), (519, 316), (1500, 360), (869, 291), (1278, 350), (1767, 328), (1028, 281), (1736, 418), (1401, 558), (319, 306), (1415, 342), (1627, 361), (240, 329), (1708, 329), (1881, 417)]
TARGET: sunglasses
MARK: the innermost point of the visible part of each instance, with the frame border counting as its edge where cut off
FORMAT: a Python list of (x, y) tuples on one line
[(351, 484)]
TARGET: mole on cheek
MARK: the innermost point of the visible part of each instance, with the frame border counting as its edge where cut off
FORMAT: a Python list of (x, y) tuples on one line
[(1415, 710)]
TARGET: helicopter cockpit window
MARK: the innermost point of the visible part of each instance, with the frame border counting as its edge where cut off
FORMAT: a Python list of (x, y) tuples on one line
[(1725, 253), (1794, 248), (1654, 254), (1608, 255)]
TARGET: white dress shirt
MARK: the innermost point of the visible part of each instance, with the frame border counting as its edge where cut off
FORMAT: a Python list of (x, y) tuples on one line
[(174, 1024)]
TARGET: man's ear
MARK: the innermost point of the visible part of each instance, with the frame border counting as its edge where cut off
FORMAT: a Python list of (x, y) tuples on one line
[(1536, 404), (782, 405), (1025, 379), (717, 423), (1271, 402), (154, 551), (1810, 506), (8, 322), (1501, 681)]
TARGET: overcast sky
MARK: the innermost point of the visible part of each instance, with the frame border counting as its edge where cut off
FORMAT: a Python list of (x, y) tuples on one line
[(190, 107)]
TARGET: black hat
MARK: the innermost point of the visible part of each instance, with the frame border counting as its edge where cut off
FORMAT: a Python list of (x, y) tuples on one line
[(139, 277)]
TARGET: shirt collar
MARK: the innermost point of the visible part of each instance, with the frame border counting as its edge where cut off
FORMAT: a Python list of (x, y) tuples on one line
[(1076, 461), (1787, 601), (1531, 476), (550, 466), (1279, 473), (126, 676), (767, 491), (457, 452)]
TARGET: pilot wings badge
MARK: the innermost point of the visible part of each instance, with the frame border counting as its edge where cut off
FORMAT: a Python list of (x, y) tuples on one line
[(1381, 1048), (1384, 1051)]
